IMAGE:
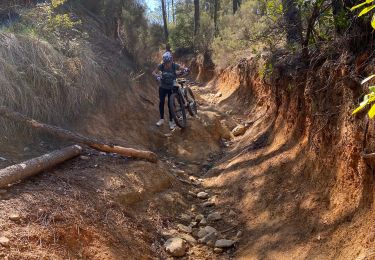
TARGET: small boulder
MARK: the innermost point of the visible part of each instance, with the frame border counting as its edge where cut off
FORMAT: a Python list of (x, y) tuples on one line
[(214, 216), (239, 130), (185, 217), (14, 217), (184, 228), (193, 208), (224, 243), (169, 233), (207, 238), (83, 157), (202, 195), (4, 241), (210, 229), (188, 238), (239, 234), (218, 250), (208, 204), (175, 247), (202, 233)]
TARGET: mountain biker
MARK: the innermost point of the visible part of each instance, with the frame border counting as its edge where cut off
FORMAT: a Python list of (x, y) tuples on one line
[(166, 73)]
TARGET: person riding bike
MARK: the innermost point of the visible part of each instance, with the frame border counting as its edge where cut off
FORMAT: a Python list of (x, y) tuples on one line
[(166, 73)]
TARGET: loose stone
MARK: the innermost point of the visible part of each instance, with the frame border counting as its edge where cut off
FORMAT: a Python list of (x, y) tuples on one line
[(4, 241), (214, 216), (208, 204), (188, 238), (224, 243), (209, 237), (210, 229), (202, 195), (184, 228), (175, 247), (185, 217), (202, 233), (218, 250), (14, 217)]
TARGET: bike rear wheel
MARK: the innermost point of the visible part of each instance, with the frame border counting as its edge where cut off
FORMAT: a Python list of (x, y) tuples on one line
[(191, 103), (177, 109)]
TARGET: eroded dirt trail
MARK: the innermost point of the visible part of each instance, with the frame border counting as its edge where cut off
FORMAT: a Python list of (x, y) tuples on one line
[(103, 206), (262, 194)]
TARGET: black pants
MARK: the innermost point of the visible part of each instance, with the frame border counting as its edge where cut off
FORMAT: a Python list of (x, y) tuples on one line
[(162, 94)]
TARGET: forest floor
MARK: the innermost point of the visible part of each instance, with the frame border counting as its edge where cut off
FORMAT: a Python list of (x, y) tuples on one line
[(206, 187)]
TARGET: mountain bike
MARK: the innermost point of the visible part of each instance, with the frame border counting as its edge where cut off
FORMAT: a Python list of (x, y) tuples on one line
[(182, 99)]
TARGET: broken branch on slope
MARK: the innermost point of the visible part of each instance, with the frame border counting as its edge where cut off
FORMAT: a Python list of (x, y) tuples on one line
[(66, 134)]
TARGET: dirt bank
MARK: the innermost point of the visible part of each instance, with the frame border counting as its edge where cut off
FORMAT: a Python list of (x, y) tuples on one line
[(297, 176)]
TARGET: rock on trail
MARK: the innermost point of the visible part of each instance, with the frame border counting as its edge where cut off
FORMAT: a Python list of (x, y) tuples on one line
[(175, 247), (239, 130), (202, 195), (184, 228), (224, 243), (214, 216), (4, 241)]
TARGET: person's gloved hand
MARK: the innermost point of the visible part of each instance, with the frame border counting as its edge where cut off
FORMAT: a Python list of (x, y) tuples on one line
[(158, 78)]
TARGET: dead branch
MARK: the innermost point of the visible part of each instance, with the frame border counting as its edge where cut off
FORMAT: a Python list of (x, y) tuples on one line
[(66, 134)]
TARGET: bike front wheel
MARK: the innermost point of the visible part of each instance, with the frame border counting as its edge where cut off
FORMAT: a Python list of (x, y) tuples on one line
[(177, 109), (191, 103)]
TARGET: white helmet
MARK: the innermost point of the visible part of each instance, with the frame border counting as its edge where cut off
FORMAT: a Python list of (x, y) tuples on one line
[(167, 57)]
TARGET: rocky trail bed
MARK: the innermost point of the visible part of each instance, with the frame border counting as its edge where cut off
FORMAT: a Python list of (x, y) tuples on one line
[(206, 230)]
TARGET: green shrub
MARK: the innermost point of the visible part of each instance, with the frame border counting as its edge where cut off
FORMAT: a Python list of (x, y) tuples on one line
[(204, 39), (180, 35), (252, 29)]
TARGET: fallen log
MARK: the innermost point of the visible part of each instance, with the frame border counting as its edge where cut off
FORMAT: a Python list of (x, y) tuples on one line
[(17, 172), (66, 134)]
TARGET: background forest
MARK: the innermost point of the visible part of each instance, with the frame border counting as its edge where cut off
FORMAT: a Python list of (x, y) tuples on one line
[(228, 30)]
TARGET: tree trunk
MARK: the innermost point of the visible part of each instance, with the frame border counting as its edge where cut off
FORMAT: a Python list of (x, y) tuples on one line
[(173, 14), (168, 11), (339, 14), (292, 17), (309, 30), (166, 34), (196, 17), (62, 133), (236, 5), (15, 173), (216, 10)]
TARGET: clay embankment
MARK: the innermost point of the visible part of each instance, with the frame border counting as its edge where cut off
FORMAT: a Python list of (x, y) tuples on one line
[(296, 175)]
